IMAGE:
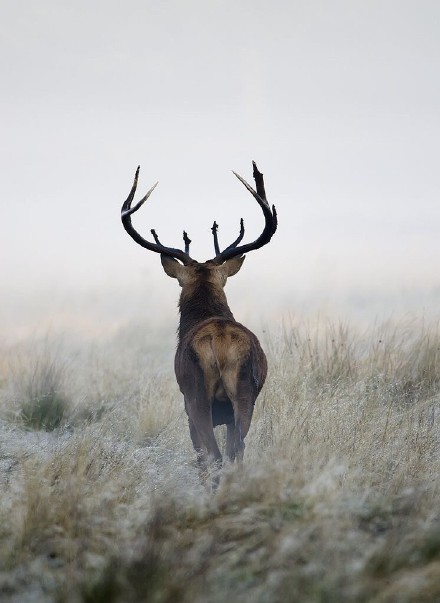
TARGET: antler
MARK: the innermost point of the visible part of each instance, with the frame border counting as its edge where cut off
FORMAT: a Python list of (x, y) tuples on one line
[(214, 231), (126, 213), (270, 226)]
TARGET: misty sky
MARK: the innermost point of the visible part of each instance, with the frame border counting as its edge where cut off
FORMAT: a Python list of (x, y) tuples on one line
[(337, 101)]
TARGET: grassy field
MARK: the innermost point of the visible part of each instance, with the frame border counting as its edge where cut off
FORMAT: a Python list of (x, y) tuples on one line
[(338, 498)]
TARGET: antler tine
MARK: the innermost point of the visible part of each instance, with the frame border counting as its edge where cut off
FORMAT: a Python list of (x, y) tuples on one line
[(155, 237), (214, 230), (259, 181), (127, 211), (260, 193), (232, 245), (270, 216), (239, 238), (187, 241), (127, 205)]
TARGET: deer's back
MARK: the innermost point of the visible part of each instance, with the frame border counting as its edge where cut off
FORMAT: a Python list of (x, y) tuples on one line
[(225, 355)]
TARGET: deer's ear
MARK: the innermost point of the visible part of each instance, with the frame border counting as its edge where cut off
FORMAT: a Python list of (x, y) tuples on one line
[(172, 267), (233, 265)]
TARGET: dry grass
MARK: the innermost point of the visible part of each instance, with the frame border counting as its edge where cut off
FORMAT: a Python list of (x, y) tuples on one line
[(338, 499)]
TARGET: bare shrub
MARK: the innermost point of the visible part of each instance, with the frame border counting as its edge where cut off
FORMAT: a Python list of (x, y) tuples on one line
[(38, 380)]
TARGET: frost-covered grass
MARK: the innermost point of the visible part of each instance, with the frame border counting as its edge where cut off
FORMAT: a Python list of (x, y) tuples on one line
[(338, 498)]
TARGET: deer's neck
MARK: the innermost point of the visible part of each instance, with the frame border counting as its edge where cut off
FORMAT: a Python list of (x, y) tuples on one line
[(203, 302)]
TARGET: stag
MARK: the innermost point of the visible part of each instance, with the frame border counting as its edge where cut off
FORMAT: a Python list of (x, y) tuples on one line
[(219, 364)]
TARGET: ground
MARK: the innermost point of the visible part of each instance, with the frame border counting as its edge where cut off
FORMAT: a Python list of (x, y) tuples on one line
[(337, 499)]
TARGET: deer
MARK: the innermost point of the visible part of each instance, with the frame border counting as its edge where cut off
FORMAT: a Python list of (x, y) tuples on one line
[(219, 364)]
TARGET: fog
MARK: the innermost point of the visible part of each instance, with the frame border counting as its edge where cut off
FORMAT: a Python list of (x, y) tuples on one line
[(338, 102)]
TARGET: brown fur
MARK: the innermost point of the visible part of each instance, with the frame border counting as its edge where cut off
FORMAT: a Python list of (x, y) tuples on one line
[(219, 364)]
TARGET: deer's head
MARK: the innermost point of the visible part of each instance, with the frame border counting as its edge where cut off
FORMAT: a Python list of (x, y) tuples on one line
[(178, 264)]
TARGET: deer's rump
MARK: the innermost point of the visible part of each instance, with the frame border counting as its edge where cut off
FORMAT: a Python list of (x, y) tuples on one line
[(220, 362)]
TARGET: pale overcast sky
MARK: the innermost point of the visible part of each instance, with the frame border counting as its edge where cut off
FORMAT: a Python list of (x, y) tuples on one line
[(337, 101)]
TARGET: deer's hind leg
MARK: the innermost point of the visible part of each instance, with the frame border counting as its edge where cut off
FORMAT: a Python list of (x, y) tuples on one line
[(199, 399), (202, 431), (230, 441), (197, 444), (205, 445), (242, 398), (243, 410)]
